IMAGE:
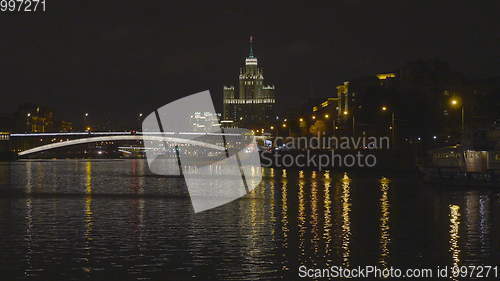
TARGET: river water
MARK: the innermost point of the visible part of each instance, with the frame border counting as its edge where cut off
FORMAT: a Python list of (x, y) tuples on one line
[(114, 220)]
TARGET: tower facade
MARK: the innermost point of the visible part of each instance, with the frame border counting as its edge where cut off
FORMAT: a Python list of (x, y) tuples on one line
[(252, 104)]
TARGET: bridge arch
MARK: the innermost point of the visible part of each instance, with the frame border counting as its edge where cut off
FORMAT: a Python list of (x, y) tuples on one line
[(119, 138)]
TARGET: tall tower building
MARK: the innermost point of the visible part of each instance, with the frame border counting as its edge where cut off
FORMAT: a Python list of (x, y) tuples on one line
[(253, 106)]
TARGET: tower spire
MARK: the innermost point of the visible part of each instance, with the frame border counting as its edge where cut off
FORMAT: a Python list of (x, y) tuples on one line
[(250, 55)]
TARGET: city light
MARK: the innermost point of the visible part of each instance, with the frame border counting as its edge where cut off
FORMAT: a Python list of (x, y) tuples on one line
[(140, 114), (345, 112), (301, 119), (314, 117), (456, 102), (272, 127), (327, 116), (284, 125), (384, 108), (29, 114), (86, 114)]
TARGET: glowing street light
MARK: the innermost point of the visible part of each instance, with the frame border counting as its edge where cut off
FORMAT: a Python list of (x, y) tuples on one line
[(28, 115), (345, 112), (140, 115), (284, 125), (301, 119), (327, 116), (384, 108), (314, 117), (272, 127), (86, 114), (456, 102)]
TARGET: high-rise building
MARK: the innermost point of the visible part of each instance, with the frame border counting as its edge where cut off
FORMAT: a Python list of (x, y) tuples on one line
[(252, 104), (31, 118)]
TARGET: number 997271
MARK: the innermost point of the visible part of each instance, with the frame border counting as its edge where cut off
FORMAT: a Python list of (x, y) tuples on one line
[(22, 6)]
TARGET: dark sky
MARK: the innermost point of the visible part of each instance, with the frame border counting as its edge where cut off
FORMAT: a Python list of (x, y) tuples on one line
[(114, 59)]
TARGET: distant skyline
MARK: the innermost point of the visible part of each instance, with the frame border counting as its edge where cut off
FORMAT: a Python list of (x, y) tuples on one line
[(116, 61)]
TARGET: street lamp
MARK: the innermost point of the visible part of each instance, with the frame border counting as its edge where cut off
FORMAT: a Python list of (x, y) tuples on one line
[(345, 112), (454, 103), (327, 116), (314, 117), (27, 121), (301, 119), (85, 115), (393, 125)]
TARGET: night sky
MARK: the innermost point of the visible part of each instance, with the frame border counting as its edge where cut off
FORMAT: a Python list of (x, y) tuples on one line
[(115, 59)]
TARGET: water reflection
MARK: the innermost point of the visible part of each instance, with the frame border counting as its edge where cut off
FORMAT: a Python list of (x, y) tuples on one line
[(327, 225), (346, 220), (314, 214), (301, 216), (88, 215), (284, 208), (385, 237), (305, 217), (137, 186), (454, 234), (28, 237), (476, 235)]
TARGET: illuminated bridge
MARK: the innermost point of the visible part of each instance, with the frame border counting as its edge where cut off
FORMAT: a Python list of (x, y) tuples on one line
[(29, 143)]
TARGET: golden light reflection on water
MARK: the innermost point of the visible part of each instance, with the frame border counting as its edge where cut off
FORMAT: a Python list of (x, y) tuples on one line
[(314, 214), (272, 215), (253, 237), (385, 237), (88, 214), (454, 234), (346, 220), (301, 216), (284, 208), (327, 226)]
